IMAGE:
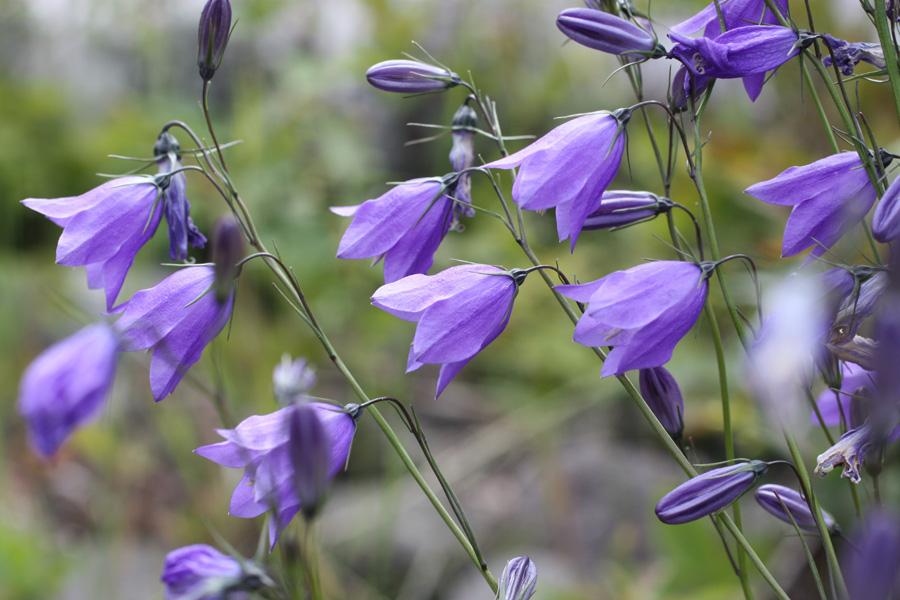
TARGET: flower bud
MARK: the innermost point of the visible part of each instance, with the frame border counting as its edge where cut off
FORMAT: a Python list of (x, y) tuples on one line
[(201, 571), (291, 379), (518, 579), (462, 156), (661, 392), (619, 208), (787, 504), (227, 250), (410, 77), (213, 34), (607, 33), (709, 493)]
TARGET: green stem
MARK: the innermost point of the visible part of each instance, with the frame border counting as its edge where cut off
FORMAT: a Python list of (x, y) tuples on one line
[(820, 108)]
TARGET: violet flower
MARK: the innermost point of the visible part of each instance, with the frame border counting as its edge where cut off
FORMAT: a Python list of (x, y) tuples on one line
[(267, 447), (66, 385), (410, 77), (871, 564), (459, 312), (212, 36), (829, 197), (664, 398), (104, 229), (200, 572), (849, 55), (177, 318), (405, 226), (643, 312), (886, 218), (851, 450), (619, 208), (709, 493), (176, 207), (787, 504), (518, 580), (835, 406), (608, 33), (569, 168)]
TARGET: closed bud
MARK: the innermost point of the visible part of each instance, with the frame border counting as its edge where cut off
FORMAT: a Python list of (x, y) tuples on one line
[(607, 33), (291, 379), (620, 208), (788, 505), (518, 579), (213, 34), (227, 251), (663, 396), (410, 77), (709, 493), (462, 156)]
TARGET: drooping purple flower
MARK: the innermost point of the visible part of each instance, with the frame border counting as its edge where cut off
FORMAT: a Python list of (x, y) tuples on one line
[(852, 448), (786, 504), (664, 398), (871, 564), (643, 312), (607, 33), (410, 77), (66, 385), (405, 226), (176, 207), (569, 169), (849, 55), (268, 448), (177, 318), (619, 208), (459, 312), (103, 229), (832, 405), (200, 572), (518, 580), (212, 36), (709, 493), (829, 197), (886, 218)]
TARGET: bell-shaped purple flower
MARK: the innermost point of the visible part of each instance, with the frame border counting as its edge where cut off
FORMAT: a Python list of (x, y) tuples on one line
[(212, 36), (66, 385), (849, 55), (643, 312), (200, 572), (787, 504), (405, 226), (569, 169), (177, 318), (871, 563), (664, 398), (619, 208), (410, 77), (886, 218), (459, 312), (176, 206), (268, 447), (607, 33), (829, 197), (103, 229), (518, 580), (709, 493)]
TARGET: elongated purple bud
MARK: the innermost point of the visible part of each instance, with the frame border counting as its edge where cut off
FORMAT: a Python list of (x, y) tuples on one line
[(785, 504), (215, 28), (410, 77), (664, 398), (621, 207), (227, 250), (518, 579), (607, 33), (709, 493)]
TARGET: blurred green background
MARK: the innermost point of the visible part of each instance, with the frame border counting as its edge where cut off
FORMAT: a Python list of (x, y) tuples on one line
[(548, 459)]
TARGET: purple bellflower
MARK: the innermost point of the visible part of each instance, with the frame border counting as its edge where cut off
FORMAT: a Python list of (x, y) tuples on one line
[(177, 318), (828, 197), (267, 447), (643, 312), (212, 36), (664, 398), (176, 206), (709, 493), (569, 169), (200, 572), (835, 406), (786, 504), (871, 564), (518, 580), (886, 218), (619, 208), (849, 55), (853, 447), (608, 33), (410, 77), (67, 385), (103, 229), (459, 312)]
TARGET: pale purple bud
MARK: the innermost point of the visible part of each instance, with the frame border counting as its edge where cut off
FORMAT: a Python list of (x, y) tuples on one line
[(709, 493), (518, 579), (619, 208), (786, 504), (607, 33), (227, 250), (462, 156), (291, 379), (663, 396), (200, 572), (215, 28), (410, 77)]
